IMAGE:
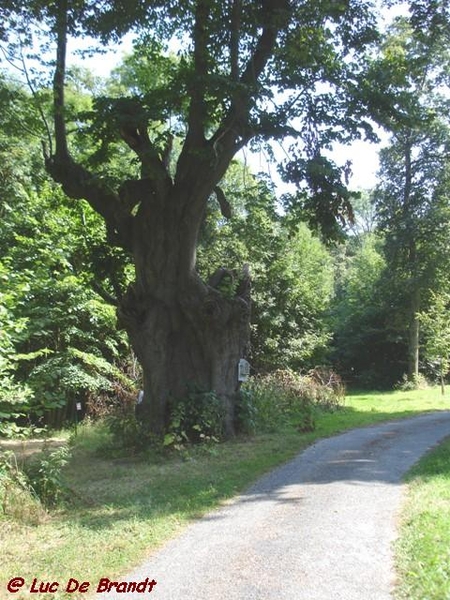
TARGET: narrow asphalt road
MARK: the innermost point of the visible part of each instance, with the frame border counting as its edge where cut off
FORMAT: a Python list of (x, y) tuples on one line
[(320, 527)]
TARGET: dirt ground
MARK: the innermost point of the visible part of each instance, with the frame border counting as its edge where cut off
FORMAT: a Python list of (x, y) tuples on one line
[(26, 448)]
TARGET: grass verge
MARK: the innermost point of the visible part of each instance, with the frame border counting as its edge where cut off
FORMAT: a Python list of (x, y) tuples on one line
[(124, 508), (423, 549)]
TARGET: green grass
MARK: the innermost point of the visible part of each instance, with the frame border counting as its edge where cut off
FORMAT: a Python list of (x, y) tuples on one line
[(125, 508), (369, 408), (423, 549)]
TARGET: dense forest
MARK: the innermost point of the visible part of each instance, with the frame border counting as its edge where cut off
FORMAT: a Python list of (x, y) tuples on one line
[(352, 280)]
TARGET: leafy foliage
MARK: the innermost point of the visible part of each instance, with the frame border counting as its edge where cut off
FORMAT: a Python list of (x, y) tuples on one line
[(58, 340), (36, 484), (13, 395), (197, 418), (285, 397), (292, 278), (378, 333), (45, 475), (436, 324), (366, 344)]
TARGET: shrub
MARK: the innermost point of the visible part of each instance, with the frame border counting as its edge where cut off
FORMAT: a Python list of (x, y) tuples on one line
[(92, 437), (196, 418), (18, 500), (285, 397), (127, 431), (325, 388), (417, 382), (45, 477), (117, 411), (246, 415), (119, 415), (119, 400), (71, 376), (278, 399)]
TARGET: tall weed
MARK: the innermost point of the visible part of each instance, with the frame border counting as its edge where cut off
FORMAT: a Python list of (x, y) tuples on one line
[(45, 475), (18, 500)]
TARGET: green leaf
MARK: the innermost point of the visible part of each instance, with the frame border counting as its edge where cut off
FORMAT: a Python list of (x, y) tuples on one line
[(169, 439)]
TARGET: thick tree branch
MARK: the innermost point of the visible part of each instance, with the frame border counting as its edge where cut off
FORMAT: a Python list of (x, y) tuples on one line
[(275, 15), (77, 182), (235, 25), (197, 115), (225, 206), (104, 294), (408, 173), (59, 80), (152, 165), (234, 131), (133, 128), (197, 109)]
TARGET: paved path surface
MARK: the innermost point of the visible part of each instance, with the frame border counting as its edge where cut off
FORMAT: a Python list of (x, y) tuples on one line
[(319, 528)]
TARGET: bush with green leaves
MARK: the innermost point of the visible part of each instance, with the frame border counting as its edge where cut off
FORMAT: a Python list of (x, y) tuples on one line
[(118, 413), (127, 431), (28, 489), (284, 397), (36, 484), (44, 474), (18, 500), (74, 376), (436, 326), (196, 418), (58, 335), (14, 396), (291, 270), (416, 382), (246, 415)]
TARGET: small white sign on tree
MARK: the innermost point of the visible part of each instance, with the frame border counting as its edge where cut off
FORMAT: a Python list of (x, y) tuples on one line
[(243, 370)]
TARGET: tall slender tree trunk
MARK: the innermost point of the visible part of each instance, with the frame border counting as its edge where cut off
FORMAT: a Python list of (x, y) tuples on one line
[(414, 324), (414, 338)]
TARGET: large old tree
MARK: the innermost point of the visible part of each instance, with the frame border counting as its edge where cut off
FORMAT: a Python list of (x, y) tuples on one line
[(243, 72)]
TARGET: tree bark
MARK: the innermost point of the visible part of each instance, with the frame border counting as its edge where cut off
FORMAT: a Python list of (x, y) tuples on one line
[(185, 344), (414, 336), (186, 334), (414, 325)]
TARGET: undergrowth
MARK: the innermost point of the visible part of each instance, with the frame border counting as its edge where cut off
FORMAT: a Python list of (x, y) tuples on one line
[(31, 486), (270, 401), (264, 404)]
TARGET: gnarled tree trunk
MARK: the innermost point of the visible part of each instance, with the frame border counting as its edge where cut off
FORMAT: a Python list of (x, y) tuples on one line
[(193, 338), (185, 333)]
